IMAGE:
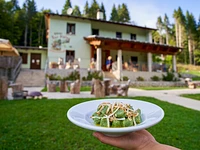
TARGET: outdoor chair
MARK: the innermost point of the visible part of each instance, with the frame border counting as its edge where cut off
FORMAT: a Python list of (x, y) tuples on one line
[(120, 89), (123, 89)]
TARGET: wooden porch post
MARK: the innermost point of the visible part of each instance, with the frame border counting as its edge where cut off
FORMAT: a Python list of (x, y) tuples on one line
[(174, 63), (99, 55), (149, 60)]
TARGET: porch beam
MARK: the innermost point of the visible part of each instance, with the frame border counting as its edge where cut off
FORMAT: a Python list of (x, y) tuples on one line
[(95, 43)]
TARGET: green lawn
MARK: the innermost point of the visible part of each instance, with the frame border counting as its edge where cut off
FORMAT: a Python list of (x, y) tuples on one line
[(192, 96), (42, 124), (160, 88)]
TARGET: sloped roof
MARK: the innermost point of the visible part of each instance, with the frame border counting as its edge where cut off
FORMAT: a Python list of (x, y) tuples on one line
[(6, 48), (99, 20)]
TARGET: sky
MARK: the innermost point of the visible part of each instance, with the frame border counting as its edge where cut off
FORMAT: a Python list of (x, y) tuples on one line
[(143, 12)]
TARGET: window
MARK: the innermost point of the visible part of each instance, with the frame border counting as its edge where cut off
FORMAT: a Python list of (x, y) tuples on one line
[(134, 59), (24, 58), (71, 28), (118, 35), (133, 36), (95, 31), (70, 56)]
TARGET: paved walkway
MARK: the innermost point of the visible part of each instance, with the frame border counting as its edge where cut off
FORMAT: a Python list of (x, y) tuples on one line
[(171, 96)]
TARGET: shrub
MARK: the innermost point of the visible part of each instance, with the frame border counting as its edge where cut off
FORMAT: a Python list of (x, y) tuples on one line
[(140, 78), (52, 76), (84, 78), (125, 78), (169, 77), (155, 78), (74, 76), (95, 75)]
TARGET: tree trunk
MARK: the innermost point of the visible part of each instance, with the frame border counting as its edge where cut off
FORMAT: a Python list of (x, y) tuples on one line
[(190, 49), (30, 37), (177, 33), (25, 35), (167, 38), (180, 35)]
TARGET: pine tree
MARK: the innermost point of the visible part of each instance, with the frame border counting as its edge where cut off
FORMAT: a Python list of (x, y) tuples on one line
[(103, 10), (159, 25), (29, 9), (123, 13), (114, 14), (76, 11), (93, 9), (166, 26), (191, 34), (15, 4), (86, 10), (66, 6)]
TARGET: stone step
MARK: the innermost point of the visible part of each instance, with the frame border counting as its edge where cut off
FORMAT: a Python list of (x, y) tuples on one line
[(31, 78)]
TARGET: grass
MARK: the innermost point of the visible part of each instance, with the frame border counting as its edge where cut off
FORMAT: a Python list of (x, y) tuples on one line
[(196, 78), (161, 88), (192, 96), (83, 88), (42, 124)]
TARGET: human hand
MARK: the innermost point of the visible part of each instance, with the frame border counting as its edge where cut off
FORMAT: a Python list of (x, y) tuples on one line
[(139, 140)]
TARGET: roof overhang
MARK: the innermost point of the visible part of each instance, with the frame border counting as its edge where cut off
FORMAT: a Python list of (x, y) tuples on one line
[(131, 45), (6, 48), (30, 48)]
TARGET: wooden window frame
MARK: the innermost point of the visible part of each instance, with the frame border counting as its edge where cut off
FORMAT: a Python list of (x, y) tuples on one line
[(70, 55), (24, 58), (118, 35), (133, 36), (70, 29), (94, 31)]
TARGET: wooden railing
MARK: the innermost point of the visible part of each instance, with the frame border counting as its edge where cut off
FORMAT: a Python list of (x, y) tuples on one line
[(10, 67)]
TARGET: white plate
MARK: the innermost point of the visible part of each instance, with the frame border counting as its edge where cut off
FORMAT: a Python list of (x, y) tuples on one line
[(80, 115)]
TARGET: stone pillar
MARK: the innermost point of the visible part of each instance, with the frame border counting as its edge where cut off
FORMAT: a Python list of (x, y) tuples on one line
[(119, 63), (174, 63), (98, 62), (149, 60)]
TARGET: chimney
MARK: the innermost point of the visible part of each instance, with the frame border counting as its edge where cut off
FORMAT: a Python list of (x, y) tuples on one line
[(99, 14)]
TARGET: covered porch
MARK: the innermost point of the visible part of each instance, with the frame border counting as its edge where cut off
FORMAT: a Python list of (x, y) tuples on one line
[(103, 46)]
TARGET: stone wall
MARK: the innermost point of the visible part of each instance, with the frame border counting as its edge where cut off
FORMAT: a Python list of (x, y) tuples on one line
[(157, 84)]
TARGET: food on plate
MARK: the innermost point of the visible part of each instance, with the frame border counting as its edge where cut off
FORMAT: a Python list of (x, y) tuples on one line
[(116, 115)]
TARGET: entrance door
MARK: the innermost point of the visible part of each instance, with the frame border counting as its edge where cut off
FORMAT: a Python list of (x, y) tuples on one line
[(35, 61)]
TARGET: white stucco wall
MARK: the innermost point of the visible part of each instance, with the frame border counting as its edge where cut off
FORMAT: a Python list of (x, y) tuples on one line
[(76, 43), (29, 52), (109, 30)]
